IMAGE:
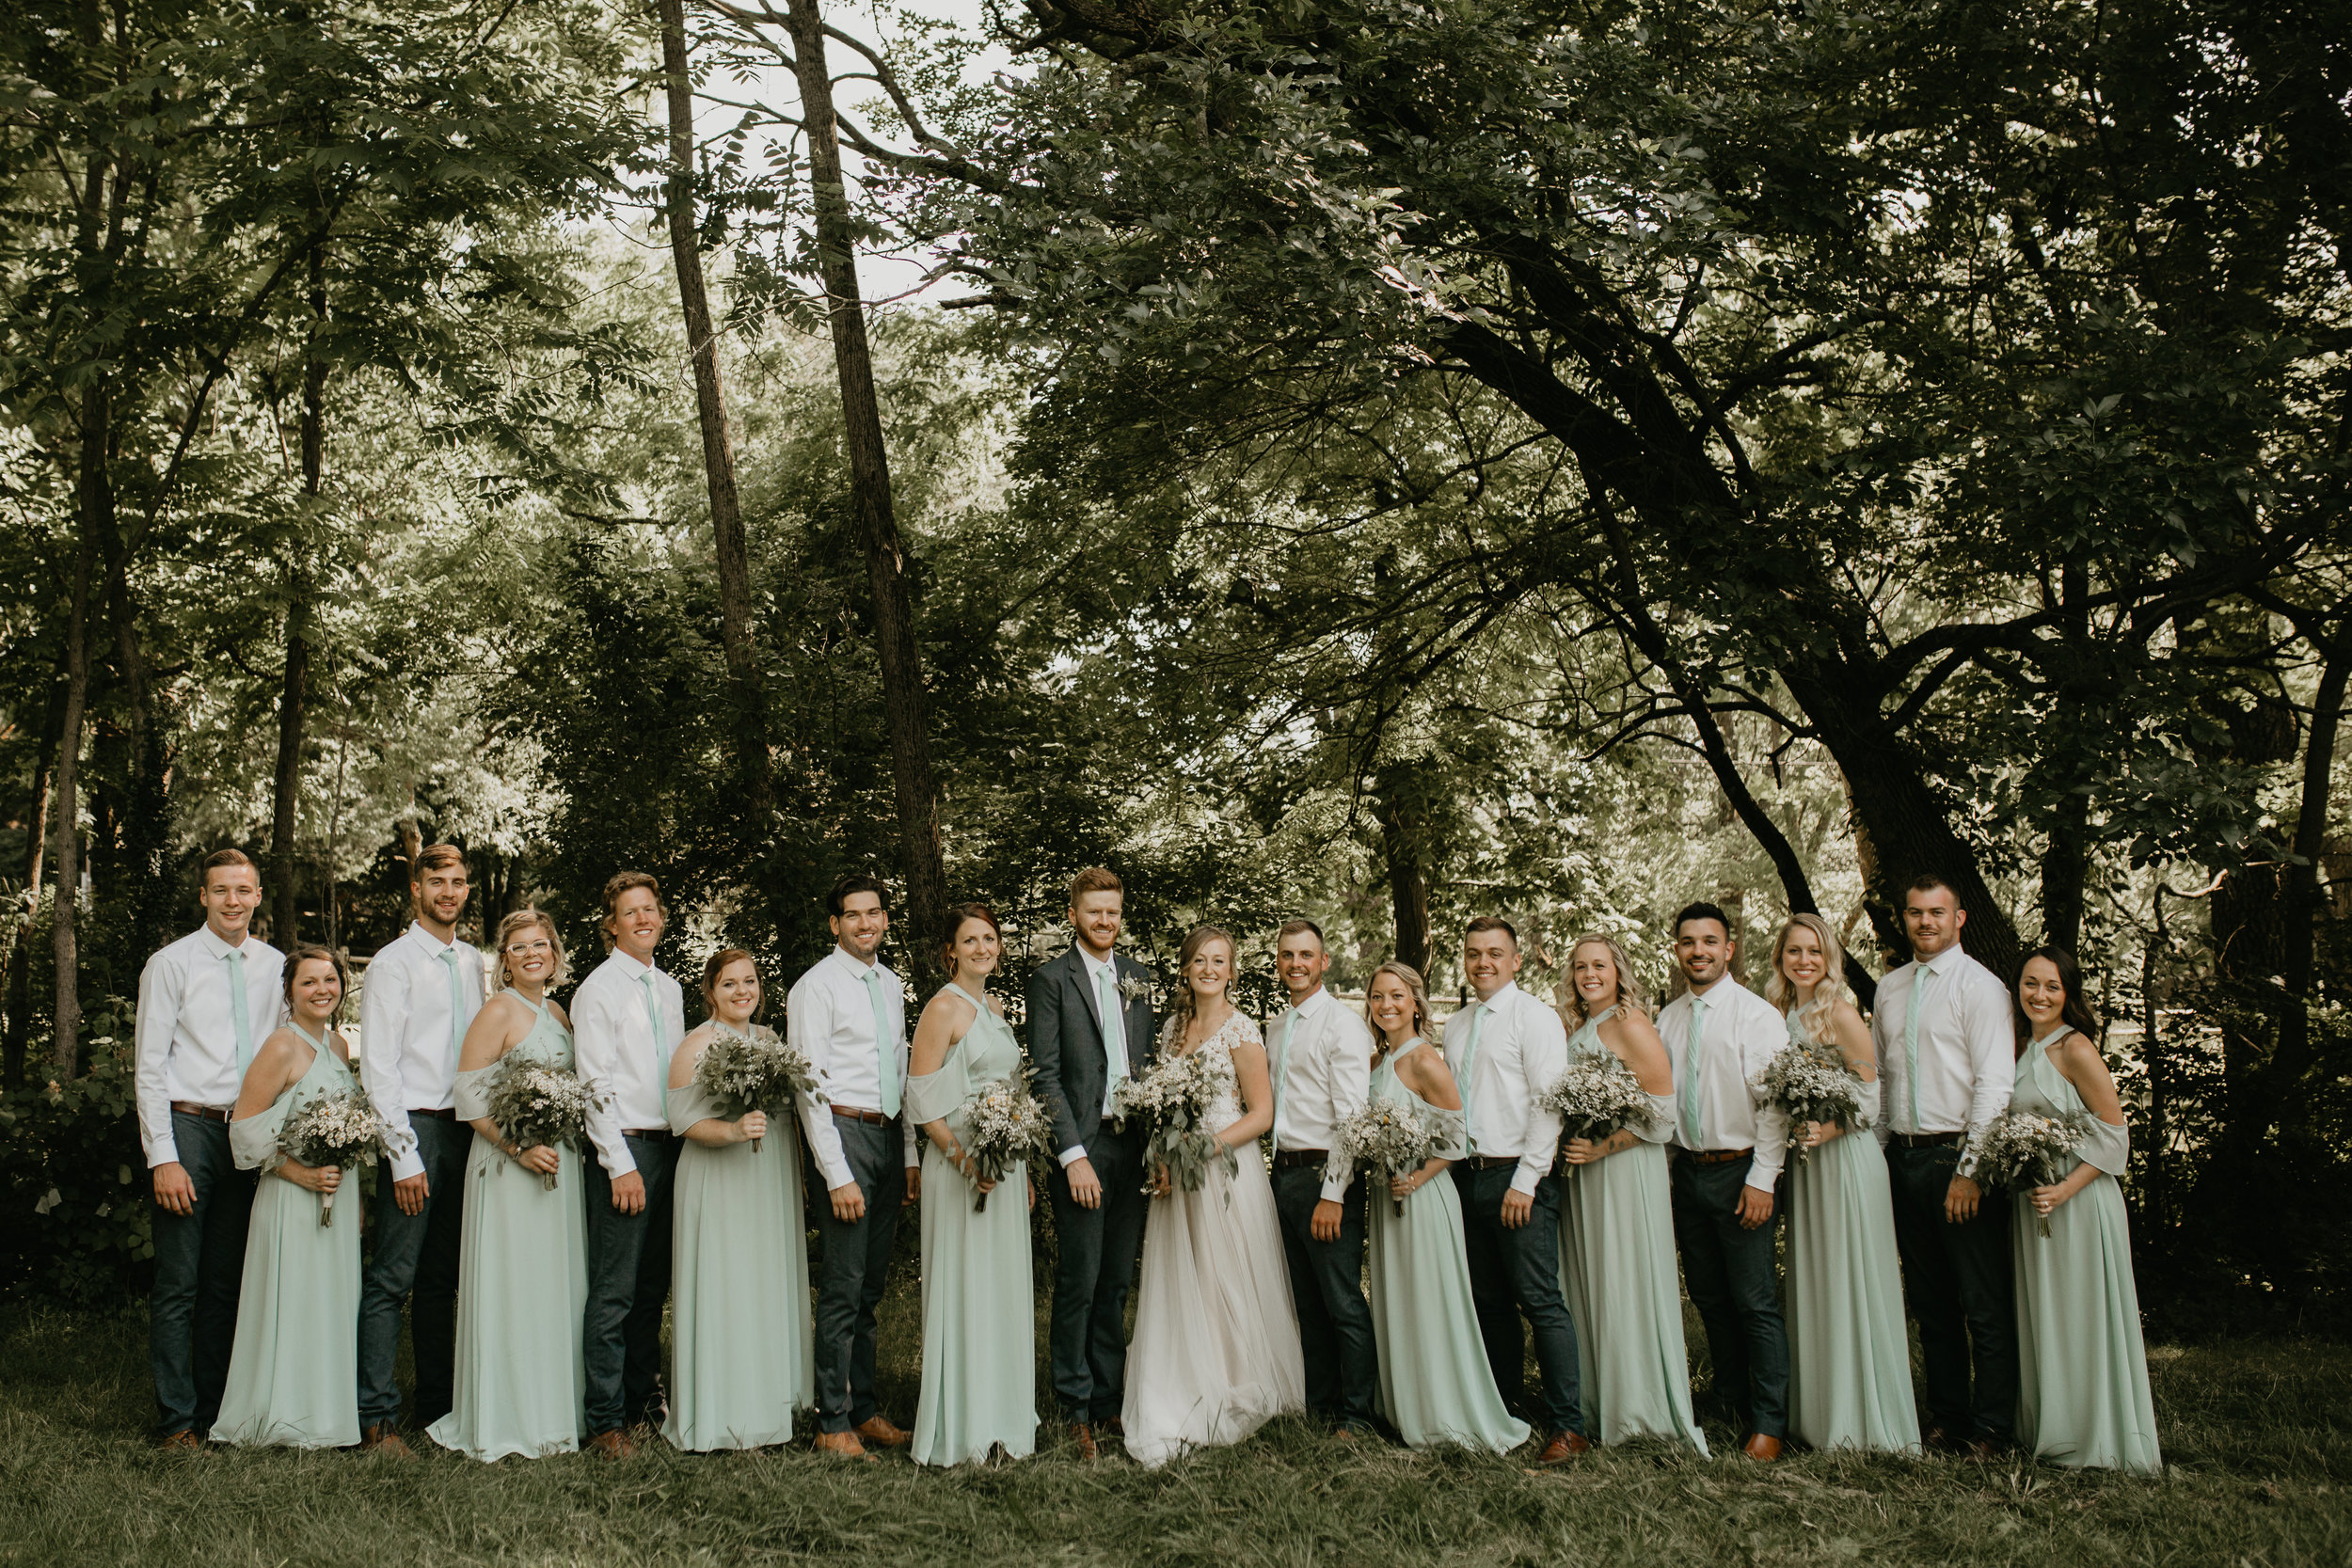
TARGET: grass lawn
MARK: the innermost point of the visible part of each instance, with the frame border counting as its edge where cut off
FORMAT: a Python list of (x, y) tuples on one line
[(2259, 1436)]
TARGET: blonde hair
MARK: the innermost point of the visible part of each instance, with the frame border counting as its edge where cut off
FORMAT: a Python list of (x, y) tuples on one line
[(523, 920), (1629, 993), (1195, 940), (1412, 980), (1780, 992)]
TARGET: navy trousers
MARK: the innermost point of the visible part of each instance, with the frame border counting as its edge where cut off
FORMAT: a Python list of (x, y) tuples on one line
[(1733, 1275), (1515, 1274), (629, 1282), (413, 1260), (199, 1263), (852, 1267), (1328, 1288), (1957, 1280)]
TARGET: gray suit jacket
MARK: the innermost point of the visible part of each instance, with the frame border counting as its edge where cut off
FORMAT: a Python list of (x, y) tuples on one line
[(1066, 1042)]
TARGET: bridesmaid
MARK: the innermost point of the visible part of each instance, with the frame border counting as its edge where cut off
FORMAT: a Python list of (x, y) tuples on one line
[(2083, 1391), (1616, 1224), (979, 1318), (1436, 1385), (523, 1270), (294, 1369), (1849, 1351), (743, 1350)]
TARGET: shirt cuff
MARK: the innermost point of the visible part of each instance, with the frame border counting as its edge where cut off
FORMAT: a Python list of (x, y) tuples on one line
[(407, 1163), (1761, 1180), (1528, 1174), (1335, 1192), (628, 1162), (162, 1152), (1071, 1155)]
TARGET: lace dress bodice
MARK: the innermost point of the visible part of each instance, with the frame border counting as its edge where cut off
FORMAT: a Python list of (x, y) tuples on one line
[(1226, 1109)]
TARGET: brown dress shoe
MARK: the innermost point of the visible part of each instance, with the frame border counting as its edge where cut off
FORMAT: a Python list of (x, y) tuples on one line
[(1563, 1447), (1984, 1448), (178, 1440), (841, 1445), (1083, 1436), (385, 1439), (1761, 1449), (612, 1445), (878, 1430), (1937, 1440)]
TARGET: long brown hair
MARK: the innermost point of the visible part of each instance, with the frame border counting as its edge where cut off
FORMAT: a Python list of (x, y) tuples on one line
[(1414, 985), (303, 954), (2077, 1014)]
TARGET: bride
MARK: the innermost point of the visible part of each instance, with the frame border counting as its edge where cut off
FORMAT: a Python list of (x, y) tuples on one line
[(1215, 1351)]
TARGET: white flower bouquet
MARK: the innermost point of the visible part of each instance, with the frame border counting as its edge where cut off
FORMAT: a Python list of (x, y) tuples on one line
[(1004, 1124), (535, 1103), (332, 1129), (1597, 1096), (1172, 1099), (1810, 1083), (1391, 1139), (2023, 1149), (757, 1073)]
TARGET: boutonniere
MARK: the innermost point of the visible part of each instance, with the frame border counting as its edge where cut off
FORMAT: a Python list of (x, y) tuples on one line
[(1135, 987)]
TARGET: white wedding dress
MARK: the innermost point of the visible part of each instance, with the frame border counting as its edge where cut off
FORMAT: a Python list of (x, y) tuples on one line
[(1216, 1354)]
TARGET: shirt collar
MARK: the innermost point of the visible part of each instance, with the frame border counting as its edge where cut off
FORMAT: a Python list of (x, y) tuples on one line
[(854, 968), (434, 945), (217, 947), (629, 966), (1314, 1004), (1095, 965), (1496, 1000), (1942, 961)]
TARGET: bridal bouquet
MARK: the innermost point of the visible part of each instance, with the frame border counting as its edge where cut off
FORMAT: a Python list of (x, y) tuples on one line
[(1004, 1124), (1596, 1096), (535, 1103), (1811, 1082), (1171, 1099), (759, 1072), (332, 1129), (2023, 1149), (1393, 1139)]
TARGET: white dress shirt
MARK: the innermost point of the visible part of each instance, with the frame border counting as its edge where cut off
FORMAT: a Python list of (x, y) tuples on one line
[(1322, 1075), (1967, 1043), (830, 1016), (1520, 1050), (408, 1043), (185, 1040), (1103, 975), (1740, 1034), (615, 1052)]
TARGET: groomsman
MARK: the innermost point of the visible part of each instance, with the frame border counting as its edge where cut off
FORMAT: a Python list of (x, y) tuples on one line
[(1727, 1153), (628, 1017), (849, 1014), (1943, 1028), (1504, 1052), (1321, 1067), (1090, 1029), (422, 992), (205, 1002)]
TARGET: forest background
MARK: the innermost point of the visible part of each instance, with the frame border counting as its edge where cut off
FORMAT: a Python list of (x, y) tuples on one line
[(1380, 460)]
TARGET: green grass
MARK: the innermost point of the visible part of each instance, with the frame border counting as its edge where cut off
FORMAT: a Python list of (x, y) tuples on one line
[(2258, 1435)]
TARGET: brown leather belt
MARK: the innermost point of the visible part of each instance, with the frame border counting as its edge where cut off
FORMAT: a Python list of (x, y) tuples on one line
[(444, 1112), (644, 1132), (203, 1113), (1926, 1140), (871, 1119), (1718, 1156), (1291, 1159), (1489, 1161)]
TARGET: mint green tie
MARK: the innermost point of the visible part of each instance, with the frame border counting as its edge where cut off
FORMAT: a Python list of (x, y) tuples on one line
[(1920, 975), (660, 1054), (237, 1012), (1281, 1062), (1114, 1034), (1470, 1055), (885, 1058), (456, 1007), (1691, 1075)]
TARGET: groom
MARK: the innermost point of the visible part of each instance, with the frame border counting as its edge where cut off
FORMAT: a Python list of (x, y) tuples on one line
[(1321, 1067), (1091, 1027)]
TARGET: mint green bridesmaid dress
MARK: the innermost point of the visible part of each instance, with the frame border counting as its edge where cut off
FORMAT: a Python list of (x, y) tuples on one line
[(293, 1372), (1617, 1271), (743, 1349), (2083, 1396), (1436, 1385), (1849, 1351), (522, 1285), (979, 1314)]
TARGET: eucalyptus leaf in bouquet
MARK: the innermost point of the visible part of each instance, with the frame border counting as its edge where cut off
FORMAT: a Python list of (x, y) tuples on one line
[(2020, 1151), (535, 1103), (756, 1073), (1172, 1099), (332, 1129), (1004, 1124), (1391, 1138), (1809, 1082)]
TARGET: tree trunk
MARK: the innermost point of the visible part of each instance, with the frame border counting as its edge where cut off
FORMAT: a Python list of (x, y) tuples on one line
[(887, 558), (95, 495), (1404, 844), (747, 686), (2298, 937), (293, 696), (2066, 853), (19, 951)]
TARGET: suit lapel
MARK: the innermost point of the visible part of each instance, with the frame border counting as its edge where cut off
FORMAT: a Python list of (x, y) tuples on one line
[(1084, 980)]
